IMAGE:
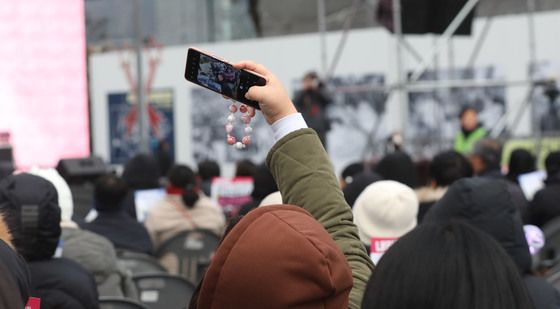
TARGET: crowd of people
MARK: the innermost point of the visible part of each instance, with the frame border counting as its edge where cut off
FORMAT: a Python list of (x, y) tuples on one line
[(391, 234)]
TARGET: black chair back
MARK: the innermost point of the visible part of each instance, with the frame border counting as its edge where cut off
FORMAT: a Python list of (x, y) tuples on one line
[(119, 303), (139, 263), (191, 251), (164, 291), (549, 255)]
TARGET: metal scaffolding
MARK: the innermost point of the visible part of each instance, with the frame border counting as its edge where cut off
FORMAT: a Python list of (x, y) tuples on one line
[(403, 85)]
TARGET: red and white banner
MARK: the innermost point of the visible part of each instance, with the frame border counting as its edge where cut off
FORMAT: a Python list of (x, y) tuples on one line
[(379, 245)]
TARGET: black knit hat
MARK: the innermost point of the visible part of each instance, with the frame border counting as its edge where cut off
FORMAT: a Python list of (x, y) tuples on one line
[(29, 205)]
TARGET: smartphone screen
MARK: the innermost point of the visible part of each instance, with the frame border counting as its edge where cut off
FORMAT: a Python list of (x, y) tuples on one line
[(221, 77)]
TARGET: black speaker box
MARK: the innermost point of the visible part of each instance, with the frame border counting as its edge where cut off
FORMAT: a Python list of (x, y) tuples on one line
[(425, 16), (79, 170)]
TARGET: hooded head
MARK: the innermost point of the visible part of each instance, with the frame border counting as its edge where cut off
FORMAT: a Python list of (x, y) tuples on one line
[(276, 257), (29, 205), (487, 204), (398, 166), (386, 209)]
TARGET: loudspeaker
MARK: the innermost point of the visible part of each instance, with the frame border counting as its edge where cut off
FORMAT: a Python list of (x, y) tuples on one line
[(425, 16), (79, 170)]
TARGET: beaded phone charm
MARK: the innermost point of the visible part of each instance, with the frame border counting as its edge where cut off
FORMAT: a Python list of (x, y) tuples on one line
[(246, 119)]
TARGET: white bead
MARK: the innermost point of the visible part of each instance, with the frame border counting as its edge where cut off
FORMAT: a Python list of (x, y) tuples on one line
[(248, 130), (231, 118), (239, 145)]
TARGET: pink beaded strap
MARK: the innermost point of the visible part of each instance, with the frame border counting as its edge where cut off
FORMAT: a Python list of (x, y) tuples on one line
[(247, 116)]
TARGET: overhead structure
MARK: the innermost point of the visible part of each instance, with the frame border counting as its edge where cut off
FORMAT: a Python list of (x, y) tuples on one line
[(447, 18)]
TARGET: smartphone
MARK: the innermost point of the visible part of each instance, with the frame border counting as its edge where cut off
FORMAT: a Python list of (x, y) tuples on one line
[(221, 77)]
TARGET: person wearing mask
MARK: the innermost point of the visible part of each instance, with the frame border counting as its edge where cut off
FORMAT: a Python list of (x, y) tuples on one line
[(29, 205), (207, 171), (471, 131), (521, 162), (312, 103), (487, 204), (184, 208), (112, 221), (446, 168), (442, 266), (385, 211), (545, 205), (305, 178)]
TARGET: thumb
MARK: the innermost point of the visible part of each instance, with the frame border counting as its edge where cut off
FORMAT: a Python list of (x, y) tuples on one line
[(256, 93)]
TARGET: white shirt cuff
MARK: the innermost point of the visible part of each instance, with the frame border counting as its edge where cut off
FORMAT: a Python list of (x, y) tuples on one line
[(288, 125)]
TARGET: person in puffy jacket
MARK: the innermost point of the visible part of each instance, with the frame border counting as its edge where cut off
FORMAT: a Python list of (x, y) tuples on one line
[(30, 205)]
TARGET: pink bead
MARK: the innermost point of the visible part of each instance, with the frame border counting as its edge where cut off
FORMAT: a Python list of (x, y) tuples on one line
[(229, 128), (251, 113), (233, 108), (246, 119), (243, 108), (246, 140), (231, 140)]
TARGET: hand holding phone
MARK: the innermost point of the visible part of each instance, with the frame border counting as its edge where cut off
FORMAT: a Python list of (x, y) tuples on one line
[(273, 98), (221, 77)]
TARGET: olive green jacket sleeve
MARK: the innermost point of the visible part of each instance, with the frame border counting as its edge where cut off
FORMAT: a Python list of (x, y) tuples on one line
[(305, 178)]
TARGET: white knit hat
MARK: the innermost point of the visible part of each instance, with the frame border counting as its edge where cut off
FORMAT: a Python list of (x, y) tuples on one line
[(272, 199), (385, 209), (64, 194)]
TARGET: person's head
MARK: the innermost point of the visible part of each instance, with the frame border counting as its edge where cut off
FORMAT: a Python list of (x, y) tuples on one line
[(311, 81), (29, 205), (469, 118), (448, 167), (109, 193), (452, 265), (245, 168), (358, 185), (521, 161), (65, 201), (349, 172), (254, 267), (183, 179), (208, 169), (142, 172), (398, 166), (14, 282), (552, 164), (486, 156), (386, 209), (487, 204), (264, 183)]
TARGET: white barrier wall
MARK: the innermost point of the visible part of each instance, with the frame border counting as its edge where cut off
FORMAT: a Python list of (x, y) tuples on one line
[(366, 51)]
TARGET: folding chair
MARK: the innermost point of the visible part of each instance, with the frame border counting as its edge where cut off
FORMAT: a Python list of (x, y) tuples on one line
[(164, 291), (139, 263), (119, 303), (192, 251)]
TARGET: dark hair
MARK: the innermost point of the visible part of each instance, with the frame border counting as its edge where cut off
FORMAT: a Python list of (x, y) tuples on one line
[(245, 168), (448, 167), (208, 169), (521, 161), (264, 183), (182, 176), (552, 163), (398, 166), (142, 172), (423, 173), (446, 266), (110, 191), (490, 151), (351, 171)]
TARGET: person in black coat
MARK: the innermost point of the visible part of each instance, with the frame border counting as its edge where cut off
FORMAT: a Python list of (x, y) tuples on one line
[(142, 172), (546, 203), (113, 222), (29, 205), (487, 204)]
